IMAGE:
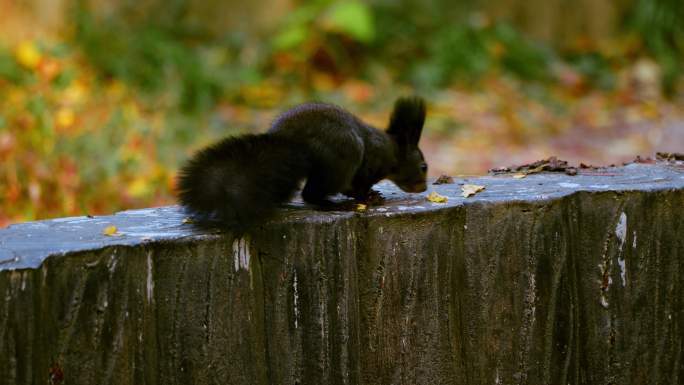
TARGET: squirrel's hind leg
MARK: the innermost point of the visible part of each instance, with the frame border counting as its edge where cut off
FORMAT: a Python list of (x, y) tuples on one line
[(319, 187)]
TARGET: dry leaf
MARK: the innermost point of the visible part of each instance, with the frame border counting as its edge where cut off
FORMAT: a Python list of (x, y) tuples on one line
[(519, 176), (436, 198), (471, 189), (361, 207), (111, 231), (444, 179), (188, 220)]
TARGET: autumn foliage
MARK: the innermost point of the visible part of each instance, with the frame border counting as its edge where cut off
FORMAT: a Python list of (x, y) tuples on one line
[(96, 120)]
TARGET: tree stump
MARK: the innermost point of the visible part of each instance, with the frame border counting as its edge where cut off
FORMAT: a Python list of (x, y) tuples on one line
[(548, 279)]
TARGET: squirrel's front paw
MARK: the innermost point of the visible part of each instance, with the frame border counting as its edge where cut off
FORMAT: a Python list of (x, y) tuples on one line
[(374, 197), (370, 197)]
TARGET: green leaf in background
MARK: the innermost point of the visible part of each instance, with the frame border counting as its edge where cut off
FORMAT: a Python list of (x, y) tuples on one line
[(352, 18), (9, 69), (290, 37), (296, 27), (64, 78)]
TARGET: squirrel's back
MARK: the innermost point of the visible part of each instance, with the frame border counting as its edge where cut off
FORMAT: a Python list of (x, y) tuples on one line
[(241, 180)]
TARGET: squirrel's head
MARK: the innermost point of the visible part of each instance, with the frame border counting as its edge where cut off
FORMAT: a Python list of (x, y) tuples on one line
[(405, 127)]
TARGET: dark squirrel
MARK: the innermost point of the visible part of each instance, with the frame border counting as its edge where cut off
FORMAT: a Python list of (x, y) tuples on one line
[(240, 181)]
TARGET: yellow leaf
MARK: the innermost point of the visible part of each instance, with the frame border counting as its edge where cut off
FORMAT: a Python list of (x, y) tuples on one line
[(139, 188), (75, 93), (27, 54), (471, 189), (65, 117), (519, 176), (436, 198), (111, 231), (361, 207)]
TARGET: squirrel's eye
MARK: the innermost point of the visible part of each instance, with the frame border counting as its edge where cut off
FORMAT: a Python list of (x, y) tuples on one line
[(423, 167)]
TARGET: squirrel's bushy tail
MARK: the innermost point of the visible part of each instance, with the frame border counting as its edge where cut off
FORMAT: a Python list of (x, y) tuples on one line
[(241, 181)]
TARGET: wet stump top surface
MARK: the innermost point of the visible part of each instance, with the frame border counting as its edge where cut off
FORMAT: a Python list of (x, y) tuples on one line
[(26, 245)]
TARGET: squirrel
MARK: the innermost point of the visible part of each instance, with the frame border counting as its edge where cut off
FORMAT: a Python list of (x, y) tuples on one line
[(240, 181)]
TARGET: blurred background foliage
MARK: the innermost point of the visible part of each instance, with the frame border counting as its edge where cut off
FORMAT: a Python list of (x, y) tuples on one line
[(101, 102)]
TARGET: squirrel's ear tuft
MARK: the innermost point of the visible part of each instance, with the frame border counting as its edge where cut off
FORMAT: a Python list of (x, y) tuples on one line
[(406, 122)]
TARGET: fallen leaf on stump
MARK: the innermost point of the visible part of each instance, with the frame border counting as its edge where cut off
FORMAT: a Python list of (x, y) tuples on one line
[(111, 231), (444, 179), (471, 189), (436, 198)]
